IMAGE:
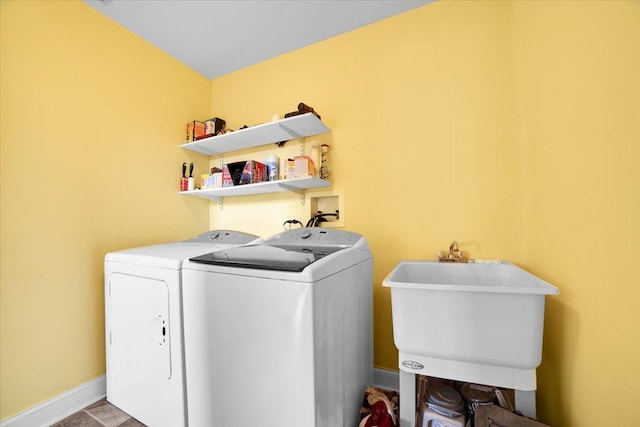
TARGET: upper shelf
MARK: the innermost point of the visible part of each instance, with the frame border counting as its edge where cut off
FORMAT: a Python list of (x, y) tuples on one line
[(276, 131)]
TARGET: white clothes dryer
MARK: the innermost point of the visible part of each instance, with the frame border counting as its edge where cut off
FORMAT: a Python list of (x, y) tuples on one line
[(144, 331), (280, 333)]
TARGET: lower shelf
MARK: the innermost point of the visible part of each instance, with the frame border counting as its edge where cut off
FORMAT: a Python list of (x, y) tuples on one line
[(296, 185)]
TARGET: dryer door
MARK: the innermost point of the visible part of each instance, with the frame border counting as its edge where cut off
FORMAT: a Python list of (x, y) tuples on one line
[(139, 328)]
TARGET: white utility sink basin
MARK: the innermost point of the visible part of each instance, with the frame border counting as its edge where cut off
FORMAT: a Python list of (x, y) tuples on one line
[(478, 322), (480, 276)]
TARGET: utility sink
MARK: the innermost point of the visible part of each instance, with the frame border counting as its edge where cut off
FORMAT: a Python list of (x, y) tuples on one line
[(478, 322), (480, 276)]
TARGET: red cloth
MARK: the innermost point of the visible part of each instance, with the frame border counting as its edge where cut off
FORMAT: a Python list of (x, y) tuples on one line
[(379, 416)]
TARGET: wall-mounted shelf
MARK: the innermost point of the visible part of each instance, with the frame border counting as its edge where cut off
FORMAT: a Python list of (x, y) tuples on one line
[(277, 131), (266, 133), (297, 185)]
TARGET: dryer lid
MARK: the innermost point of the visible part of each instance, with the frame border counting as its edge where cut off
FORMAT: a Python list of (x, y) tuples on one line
[(268, 257)]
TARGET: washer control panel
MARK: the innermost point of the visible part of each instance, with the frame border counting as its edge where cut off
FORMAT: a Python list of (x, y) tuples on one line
[(315, 236), (223, 236)]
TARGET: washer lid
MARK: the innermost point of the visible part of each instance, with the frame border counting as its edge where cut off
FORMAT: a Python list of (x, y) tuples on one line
[(268, 257)]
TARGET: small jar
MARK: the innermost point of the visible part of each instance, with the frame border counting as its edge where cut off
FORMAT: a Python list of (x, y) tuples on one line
[(477, 395)]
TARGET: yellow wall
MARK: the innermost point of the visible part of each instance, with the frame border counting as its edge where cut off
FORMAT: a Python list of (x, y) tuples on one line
[(91, 121), (509, 126), (577, 67)]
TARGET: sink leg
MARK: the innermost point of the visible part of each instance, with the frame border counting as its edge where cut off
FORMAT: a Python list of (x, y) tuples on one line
[(408, 399), (525, 402)]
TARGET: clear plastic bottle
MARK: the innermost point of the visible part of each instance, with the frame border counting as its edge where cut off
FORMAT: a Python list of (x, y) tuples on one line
[(324, 166), (315, 156), (272, 168)]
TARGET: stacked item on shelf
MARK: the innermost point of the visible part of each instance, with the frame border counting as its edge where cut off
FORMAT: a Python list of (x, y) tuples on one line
[(244, 172), (197, 129)]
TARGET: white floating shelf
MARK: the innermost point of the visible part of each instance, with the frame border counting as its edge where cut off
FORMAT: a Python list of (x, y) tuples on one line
[(266, 133), (296, 185)]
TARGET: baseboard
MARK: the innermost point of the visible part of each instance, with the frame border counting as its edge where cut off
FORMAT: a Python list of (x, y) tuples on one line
[(70, 402), (387, 379), (61, 406)]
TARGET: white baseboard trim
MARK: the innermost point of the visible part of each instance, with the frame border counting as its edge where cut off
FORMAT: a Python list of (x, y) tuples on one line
[(61, 406), (386, 379), (70, 402)]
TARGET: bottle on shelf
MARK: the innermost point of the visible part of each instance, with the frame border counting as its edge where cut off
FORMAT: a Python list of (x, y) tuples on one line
[(324, 166), (272, 167), (315, 156)]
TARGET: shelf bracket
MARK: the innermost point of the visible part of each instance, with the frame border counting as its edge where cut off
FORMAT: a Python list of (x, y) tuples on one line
[(220, 199), (295, 135), (291, 188), (298, 191)]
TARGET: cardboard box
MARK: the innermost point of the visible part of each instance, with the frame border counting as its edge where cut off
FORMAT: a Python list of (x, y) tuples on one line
[(245, 172), (213, 126), (291, 169), (212, 181), (493, 415), (303, 166), (195, 130)]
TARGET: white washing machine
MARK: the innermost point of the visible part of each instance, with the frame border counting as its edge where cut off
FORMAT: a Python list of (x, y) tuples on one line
[(144, 333), (280, 333)]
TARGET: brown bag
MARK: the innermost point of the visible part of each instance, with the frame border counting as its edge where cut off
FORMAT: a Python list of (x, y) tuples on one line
[(495, 416)]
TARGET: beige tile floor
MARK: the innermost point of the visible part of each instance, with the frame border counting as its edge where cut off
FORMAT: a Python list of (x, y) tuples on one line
[(100, 414)]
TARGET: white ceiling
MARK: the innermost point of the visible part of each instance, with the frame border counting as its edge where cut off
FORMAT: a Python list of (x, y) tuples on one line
[(216, 37)]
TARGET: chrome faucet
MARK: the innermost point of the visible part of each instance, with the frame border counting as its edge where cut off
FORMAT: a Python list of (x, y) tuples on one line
[(454, 255)]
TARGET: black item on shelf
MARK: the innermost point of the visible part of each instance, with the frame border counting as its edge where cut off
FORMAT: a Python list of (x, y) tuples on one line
[(303, 109), (235, 170), (244, 172), (219, 124)]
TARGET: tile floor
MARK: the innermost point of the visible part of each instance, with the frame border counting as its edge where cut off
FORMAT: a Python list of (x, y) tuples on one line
[(100, 414)]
